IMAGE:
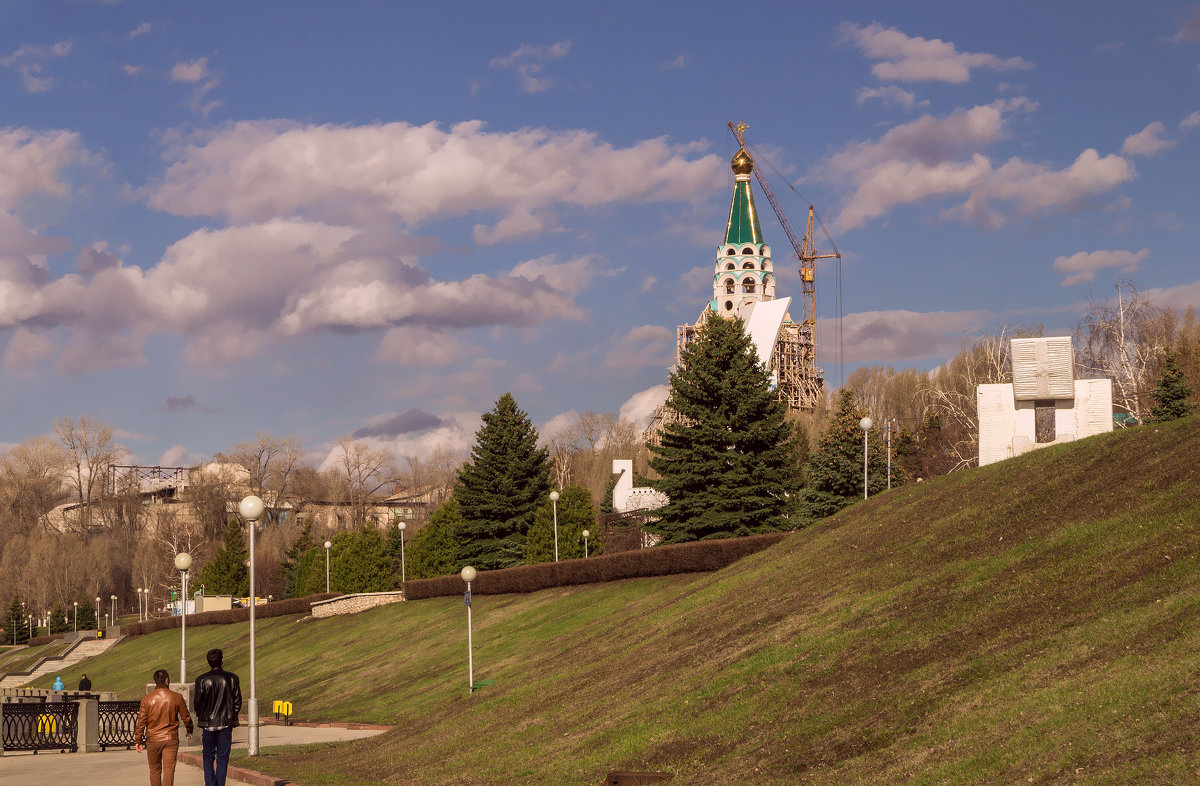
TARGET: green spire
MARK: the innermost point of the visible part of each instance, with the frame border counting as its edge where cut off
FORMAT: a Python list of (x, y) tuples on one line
[(743, 218)]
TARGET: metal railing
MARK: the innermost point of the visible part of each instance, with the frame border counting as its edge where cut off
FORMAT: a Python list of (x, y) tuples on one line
[(40, 726), (117, 721)]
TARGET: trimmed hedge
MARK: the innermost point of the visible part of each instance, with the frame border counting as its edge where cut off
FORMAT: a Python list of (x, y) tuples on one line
[(696, 557), (279, 608), (38, 641)]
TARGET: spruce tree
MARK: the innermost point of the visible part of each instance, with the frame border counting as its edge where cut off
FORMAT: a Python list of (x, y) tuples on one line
[(835, 467), (226, 572), (359, 561), (729, 464), (87, 615), (16, 630), (293, 559), (58, 620), (574, 516), (499, 489), (433, 549), (1169, 400)]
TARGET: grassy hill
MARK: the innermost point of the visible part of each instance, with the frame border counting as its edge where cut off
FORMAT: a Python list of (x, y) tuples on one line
[(1032, 621)]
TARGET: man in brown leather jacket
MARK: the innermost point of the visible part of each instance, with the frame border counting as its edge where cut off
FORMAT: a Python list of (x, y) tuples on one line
[(158, 725)]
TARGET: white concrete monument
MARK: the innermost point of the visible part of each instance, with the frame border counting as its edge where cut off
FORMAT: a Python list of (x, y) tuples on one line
[(1044, 405)]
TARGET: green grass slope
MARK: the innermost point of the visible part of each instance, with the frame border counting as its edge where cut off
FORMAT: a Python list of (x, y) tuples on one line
[(1031, 621)]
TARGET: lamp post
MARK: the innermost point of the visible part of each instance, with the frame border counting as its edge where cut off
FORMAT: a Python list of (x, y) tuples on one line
[(889, 438), (585, 537), (30, 626), (865, 424), (251, 508), (113, 610), (468, 575), (554, 502), (327, 545), (139, 596), (402, 527), (96, 608), (183, 563), (76, 616)]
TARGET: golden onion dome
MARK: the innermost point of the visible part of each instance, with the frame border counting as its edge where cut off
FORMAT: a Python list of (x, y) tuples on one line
[(742, 163)]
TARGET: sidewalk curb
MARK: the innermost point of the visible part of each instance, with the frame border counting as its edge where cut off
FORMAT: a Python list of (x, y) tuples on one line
[(237, 773)]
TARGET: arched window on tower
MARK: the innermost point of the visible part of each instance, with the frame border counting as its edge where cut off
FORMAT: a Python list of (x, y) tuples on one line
[(748, 264), (730, 251), (748, 251), (730, 266), (748, 286), (729, 286)]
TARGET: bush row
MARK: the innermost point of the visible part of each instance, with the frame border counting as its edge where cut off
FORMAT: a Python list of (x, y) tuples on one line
[(277, 608), (38, 641), (696, 557)]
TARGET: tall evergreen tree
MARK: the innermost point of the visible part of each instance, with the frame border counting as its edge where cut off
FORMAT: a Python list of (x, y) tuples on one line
[(499, 489), (1170, 396), (16, 630), (295, 562), (226, 572), (574, 516), (433, 550), (58, 620), (396, 554), (730, 463), (87, 615), (360, 561), (835, 467)]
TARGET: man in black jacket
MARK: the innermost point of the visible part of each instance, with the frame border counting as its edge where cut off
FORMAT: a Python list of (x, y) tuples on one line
[(218, 701)]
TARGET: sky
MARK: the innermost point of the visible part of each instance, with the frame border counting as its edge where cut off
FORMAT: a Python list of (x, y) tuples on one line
[(324, 219)]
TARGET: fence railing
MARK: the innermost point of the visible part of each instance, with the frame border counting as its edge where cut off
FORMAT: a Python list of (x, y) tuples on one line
[(117, 719), (41, 726)]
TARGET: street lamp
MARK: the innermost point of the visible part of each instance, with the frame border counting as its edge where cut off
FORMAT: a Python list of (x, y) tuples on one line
[(889, 439), (327, 545), (865, 424), (183, 563), (76, 616), (139, 594), (251, 508), (113, 611), (468, 575), (554, 502), (585, 537), (402, 527), (31, 626), (96, 609)]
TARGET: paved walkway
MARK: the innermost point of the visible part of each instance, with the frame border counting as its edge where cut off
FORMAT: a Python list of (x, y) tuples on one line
[(128, 767)]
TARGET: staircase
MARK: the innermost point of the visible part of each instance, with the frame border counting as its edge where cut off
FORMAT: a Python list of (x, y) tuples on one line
[(85, 648)]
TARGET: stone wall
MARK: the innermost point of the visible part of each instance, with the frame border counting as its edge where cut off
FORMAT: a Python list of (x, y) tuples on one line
[(353, 604)]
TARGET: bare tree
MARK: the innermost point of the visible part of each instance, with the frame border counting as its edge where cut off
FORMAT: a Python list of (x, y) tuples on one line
[(1122, 340), (363, 471), (271, 461), (90, 450), (32, 477)]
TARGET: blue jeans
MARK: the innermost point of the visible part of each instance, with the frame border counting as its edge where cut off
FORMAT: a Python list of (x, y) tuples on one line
[(216, 743)]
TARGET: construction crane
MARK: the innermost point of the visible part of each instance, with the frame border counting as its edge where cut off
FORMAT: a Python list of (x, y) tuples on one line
[(806, 254)]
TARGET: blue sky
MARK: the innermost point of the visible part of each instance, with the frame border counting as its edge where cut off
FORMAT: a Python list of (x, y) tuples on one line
[(319, 219)]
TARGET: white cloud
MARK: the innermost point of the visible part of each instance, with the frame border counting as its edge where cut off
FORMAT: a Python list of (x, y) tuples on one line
[(639, 407), (1189, 122), (190, 71), (1189, 29), (527, 60), (677, 63), (904, 336), (419, 173), (29, 61), (890, 95), (1178, 297), (178, 456), (941, 157), (1083, 266), (906, 58), (132, 70), (419, 346), (560, 422), (25, 350), (643, 345), (1147, 142), (141, 29)]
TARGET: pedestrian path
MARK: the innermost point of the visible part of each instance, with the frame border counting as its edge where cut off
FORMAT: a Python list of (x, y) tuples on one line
[(123, 767), (85, 649)]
